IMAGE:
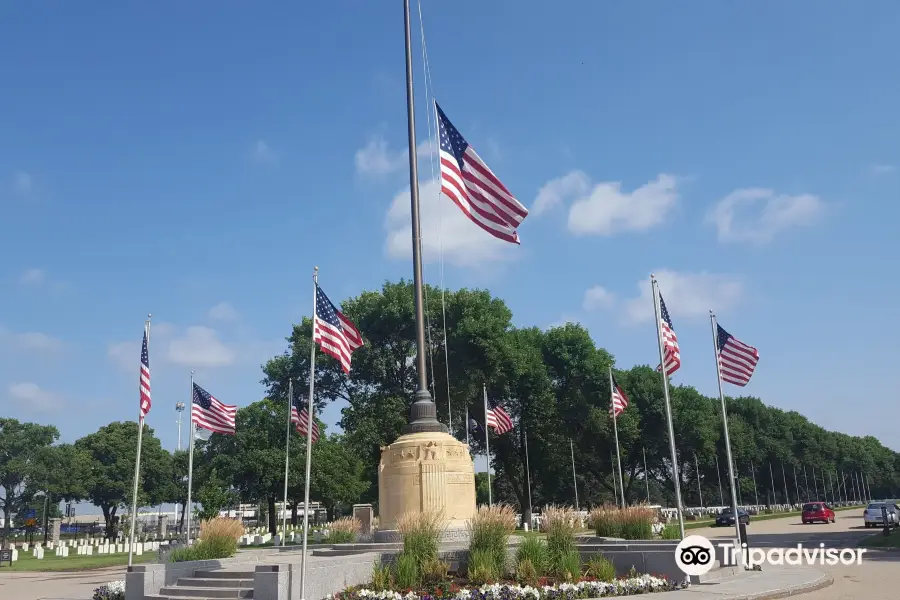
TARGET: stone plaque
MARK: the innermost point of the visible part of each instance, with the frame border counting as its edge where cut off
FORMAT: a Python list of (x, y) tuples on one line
[(366, 515)]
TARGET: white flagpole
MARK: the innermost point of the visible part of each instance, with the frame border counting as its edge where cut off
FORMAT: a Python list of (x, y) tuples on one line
[(646, 475), (137, 458), (287, 460), (189, 506), (676, 478), (699, 488), (487, 444), (527, 473), (612, 404), (731, 476), (309, 431), (574, 478), (467, 425)]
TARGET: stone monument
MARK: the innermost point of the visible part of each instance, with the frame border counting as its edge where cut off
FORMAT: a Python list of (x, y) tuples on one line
[(425, 469), (55, 528)]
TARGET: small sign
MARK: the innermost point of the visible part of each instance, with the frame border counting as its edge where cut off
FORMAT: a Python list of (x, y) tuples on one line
[(31, 513), (6, 556), (30, 522)]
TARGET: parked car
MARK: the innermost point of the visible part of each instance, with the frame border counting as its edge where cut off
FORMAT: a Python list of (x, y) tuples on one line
[(726, 517), (872, 516), (817, 511)]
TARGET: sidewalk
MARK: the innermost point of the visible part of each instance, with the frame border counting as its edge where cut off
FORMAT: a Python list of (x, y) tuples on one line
[(770, 583), (76, 585)]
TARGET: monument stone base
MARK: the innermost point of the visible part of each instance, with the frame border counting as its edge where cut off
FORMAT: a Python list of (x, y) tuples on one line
[(422, 472)]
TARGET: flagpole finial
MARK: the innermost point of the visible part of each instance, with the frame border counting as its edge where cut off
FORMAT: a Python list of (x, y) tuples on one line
[(652, 276), (149, 316)]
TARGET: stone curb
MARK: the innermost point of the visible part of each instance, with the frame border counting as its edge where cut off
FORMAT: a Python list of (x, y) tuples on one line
[(804, 588)]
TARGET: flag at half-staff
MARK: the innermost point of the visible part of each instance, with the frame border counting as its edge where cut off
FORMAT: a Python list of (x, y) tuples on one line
[(737, 360), (333, 332), (473, 187), (617, 404), (300, 419), (208, 415), (497, 418)]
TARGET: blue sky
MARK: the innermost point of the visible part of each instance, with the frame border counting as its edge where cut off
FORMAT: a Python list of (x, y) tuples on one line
[(197, 162)]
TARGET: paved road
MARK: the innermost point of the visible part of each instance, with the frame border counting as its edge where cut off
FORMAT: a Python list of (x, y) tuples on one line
[(877, 578)]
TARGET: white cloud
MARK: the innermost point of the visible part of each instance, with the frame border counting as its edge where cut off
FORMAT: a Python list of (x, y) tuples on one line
[(22, 182), (33, 277), (195, 347), (223, 311), (262, 152), (200, 347), (607, 209), (597, 298), (882, 169), (687, 295), (376, 158), (560, 190), (30, 341), (464, 243), (36, 398), (769, 214)]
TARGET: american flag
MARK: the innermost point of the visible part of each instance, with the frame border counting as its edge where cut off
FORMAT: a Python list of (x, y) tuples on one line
[(619, 399), (497, 418), (670, 342), (209, 413), (301, 421), (471, 185), (737, 360), (334, 332), (145, 377)]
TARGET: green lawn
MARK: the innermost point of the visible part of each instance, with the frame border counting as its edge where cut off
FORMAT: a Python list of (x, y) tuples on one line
[(879, 540), (51, 562)]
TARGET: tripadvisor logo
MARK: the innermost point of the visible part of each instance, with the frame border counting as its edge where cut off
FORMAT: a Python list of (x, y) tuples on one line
[(695, 555)]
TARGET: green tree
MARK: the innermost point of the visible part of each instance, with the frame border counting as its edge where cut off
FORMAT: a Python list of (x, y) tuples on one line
[(110, 452), (214, 495), (20, 446)]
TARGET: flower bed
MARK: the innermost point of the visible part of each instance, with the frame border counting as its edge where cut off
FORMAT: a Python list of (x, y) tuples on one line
[(628, 586), (114, 590)]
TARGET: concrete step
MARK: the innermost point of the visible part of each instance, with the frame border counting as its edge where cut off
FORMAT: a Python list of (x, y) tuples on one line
[(224, 574), (162, 596), (206, 592), (212, 582)]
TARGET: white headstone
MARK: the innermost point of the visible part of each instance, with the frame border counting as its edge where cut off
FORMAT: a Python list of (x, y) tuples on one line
[(15, 555), (39, 553)]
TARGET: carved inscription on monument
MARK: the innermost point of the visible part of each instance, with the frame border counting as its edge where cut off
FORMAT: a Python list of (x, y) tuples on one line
[(458, 478)]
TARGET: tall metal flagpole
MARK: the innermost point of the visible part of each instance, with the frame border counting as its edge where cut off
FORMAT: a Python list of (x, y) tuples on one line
[(574, 478), (188, 507), (805, 484), (676, 478), (527, 474), (719, 473), (772, 481), (834, 499), (487, 445), (731, 475), (699, 489), (755, 489), (646, 475), (612, 407), (137, 458), (309, 430), (797, 486), (612, 467), (856, 485), (423, 412), (467, 425), (287, 460), (815, 482), (787, 497)]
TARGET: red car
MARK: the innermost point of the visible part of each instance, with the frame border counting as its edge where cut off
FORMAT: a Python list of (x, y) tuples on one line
[(817, 511)]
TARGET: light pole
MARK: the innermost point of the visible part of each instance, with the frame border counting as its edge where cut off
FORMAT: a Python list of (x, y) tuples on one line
[(179, 407)]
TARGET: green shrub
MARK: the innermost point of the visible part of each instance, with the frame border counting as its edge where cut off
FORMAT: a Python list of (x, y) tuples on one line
[(344, 530), (489, 533), (406, 571), (671, 531), (600, 568), (382, 578), (483, 567), (533, 551), (558, 523), (569, 567), (527, 573)]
